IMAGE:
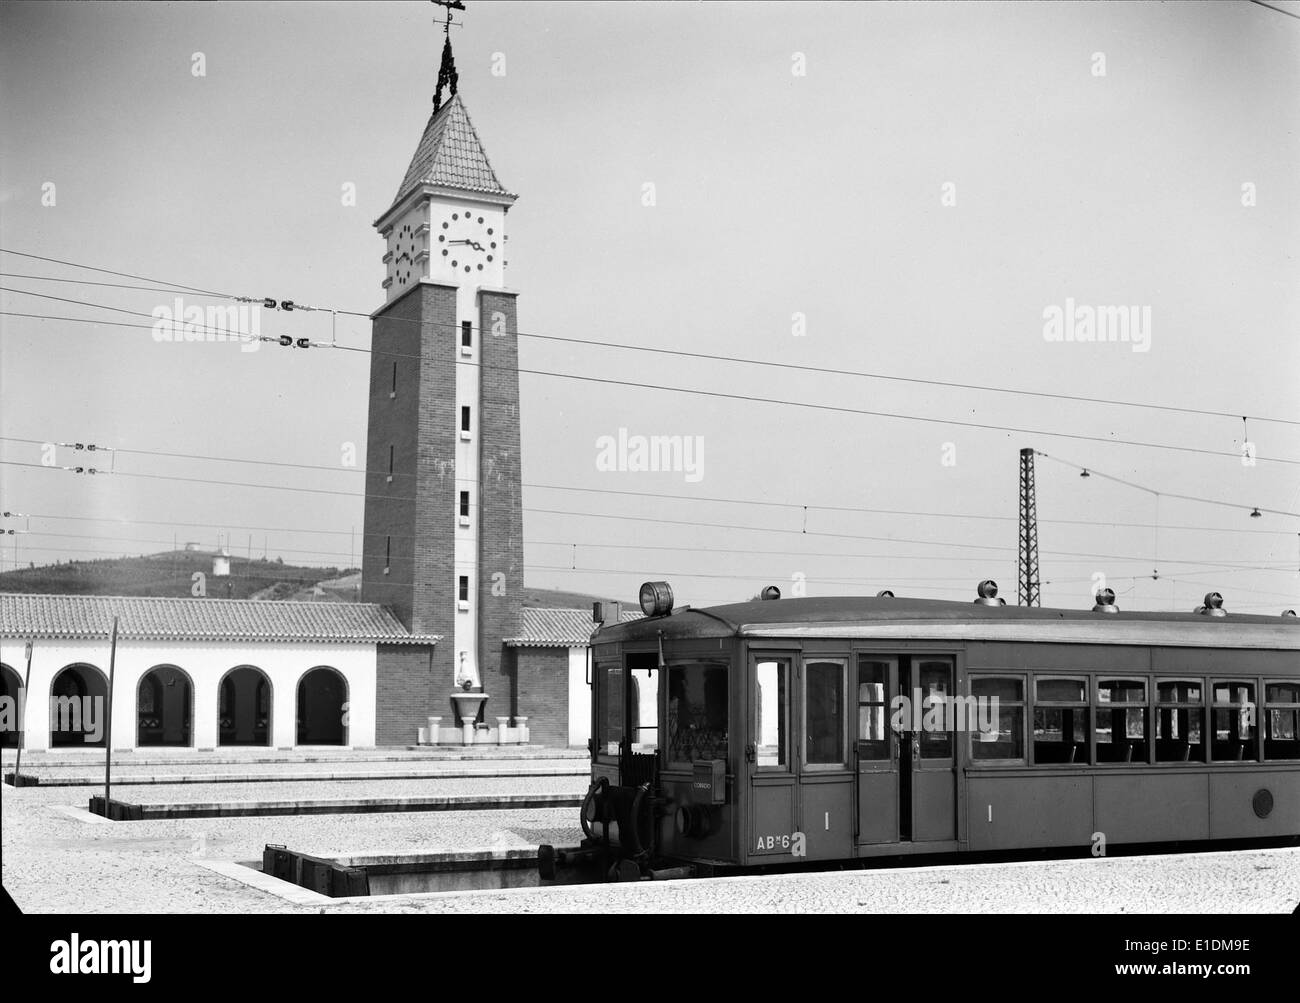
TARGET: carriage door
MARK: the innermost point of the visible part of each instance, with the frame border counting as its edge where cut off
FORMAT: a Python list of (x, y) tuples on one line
[(932, 749), (877, 751), (767, 755), (907, 781)]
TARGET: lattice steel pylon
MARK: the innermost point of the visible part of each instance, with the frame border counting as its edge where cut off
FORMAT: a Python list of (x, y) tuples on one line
[(1028, 589)]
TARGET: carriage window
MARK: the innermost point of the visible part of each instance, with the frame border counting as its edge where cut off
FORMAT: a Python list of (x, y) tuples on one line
[(771, 703), (1061, 721), (1180, 722), (643, 672), (935, 679), (609, 711), (697, 712), (824, 716), (873, 739), (1233, 738), (1121, 721), (1002, 704), (1282, 721)]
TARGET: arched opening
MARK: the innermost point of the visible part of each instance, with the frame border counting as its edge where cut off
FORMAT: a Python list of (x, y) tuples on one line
[(11, 708), (164, 707), (78, 707), (244, 707), (322, 708)]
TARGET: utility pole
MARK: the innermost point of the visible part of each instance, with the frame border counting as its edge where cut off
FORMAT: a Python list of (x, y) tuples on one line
[(1028, 589)]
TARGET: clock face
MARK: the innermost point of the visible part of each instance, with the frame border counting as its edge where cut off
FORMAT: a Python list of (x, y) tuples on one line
[(468, 242), (403, 262)]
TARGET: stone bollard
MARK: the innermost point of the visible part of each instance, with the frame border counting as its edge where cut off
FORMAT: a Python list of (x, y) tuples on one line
[(434, 723), (466, 731), (502, 724), (422, 736), (522, 724)]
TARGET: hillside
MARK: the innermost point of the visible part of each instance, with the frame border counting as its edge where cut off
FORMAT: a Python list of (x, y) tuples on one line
[(171, 574)]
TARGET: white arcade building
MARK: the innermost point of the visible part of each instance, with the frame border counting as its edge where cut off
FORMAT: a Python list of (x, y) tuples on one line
[(195, 673)]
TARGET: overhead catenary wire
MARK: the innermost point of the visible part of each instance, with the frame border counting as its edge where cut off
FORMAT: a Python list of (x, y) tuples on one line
[(753, 398), (677, 496), (683, 353), (951, 544)]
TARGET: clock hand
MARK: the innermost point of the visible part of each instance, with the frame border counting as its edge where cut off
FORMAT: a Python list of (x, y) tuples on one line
[(472, 243)]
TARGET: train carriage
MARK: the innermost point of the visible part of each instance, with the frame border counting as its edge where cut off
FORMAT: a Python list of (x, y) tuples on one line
[(777, 732)]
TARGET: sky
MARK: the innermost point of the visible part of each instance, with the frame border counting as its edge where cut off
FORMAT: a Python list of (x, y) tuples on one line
[(903, 190)]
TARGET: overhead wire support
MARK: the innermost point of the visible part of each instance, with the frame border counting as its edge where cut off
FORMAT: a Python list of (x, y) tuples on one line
[(1028, 587)]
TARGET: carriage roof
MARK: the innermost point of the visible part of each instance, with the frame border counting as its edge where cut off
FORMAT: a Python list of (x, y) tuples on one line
[(897, 619)]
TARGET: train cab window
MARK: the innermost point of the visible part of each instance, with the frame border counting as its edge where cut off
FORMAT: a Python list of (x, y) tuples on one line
[(1061, 721), (1180, 721), (609, 708), (1282, 721), (1121, 721), (643, 675), (697, 712), (771, 714), (825, 719), (1233, 738), (873, 717), (1001, 735)]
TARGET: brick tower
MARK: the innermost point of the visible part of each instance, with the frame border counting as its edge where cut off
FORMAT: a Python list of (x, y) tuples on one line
[(443, 518)]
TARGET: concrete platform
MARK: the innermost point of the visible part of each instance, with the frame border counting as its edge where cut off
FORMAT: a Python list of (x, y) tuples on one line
[(126, 778), (350, 806), (88, 759)]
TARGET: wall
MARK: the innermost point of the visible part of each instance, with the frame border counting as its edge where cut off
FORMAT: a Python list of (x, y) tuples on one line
[(205, 663), (405, 693), (499, 504), (542, 693), (418, 507)]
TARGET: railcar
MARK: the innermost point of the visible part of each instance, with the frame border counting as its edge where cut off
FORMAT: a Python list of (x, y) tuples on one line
[(780, 732)]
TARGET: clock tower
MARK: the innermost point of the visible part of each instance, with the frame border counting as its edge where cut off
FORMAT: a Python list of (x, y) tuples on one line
[(443, 515)]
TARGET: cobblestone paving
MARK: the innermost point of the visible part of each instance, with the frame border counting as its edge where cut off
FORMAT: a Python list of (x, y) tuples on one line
[(55, 863)]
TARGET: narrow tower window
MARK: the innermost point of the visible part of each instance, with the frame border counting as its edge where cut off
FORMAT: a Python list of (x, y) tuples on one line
[(464, 508), (466, 337), (464, 421), (390, 463), (393, 392), (462, 591), (388, 552)]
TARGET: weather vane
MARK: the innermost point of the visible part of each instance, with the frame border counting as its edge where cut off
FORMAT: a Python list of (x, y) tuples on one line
[(447, 75)]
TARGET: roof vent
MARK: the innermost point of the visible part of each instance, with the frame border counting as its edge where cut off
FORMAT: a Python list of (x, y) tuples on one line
[(988, 594), (769, 593), (884, 594), (1213, 605), (1105, 602), (606, 612)]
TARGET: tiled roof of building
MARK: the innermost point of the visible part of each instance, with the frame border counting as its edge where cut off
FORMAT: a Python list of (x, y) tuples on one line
[(160, 618), (450, 154), (558, 628)]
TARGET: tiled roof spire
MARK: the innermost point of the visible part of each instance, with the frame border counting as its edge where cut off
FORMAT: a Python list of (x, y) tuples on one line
[(450, 154)]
